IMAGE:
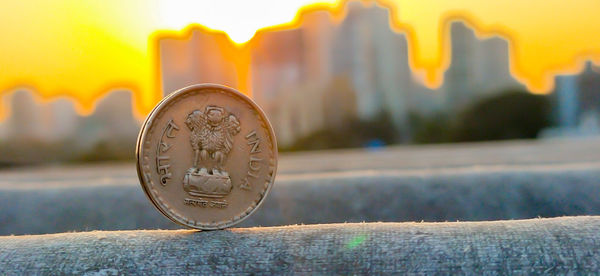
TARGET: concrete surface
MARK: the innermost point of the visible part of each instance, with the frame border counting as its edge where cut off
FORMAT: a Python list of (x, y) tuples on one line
[(565, 246), (467, 182)]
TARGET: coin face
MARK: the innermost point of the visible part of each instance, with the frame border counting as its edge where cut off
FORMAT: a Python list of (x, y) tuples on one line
[(206, 156)]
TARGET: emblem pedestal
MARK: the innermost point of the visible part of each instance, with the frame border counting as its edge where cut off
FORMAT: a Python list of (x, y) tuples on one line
[(203, 184)]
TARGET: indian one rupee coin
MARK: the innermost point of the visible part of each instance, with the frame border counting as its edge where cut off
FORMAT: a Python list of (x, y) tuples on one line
[(206, 156)]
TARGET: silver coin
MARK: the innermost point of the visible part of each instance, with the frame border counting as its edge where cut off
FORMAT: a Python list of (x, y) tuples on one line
[(206, 156)]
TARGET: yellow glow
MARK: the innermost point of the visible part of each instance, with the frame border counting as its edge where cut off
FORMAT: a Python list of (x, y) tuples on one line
[(239, 19), (546, 37), (83, 49)]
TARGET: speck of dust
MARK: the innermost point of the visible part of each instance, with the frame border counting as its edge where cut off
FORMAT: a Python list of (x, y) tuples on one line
[(356, 241)]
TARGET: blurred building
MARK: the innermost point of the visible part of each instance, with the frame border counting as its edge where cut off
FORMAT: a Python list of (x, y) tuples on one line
[(199, 58), (478, 67), (331, 74), (277, 65), (54, 125), (111, 122), (318, 76), (359, 68), (33, 119), (576, 101), (292, 78)]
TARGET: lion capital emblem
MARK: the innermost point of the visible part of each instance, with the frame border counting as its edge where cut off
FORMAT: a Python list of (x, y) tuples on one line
[(212, 132)]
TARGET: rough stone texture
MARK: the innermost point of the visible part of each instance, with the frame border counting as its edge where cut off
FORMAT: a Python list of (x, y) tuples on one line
[(569, 245), (524, 152), (435, 183), (465, 194), (481, 181)]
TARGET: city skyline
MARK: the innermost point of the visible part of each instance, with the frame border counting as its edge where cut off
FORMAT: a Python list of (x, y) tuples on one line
[(358, 67), (90, 49), (296, 74)]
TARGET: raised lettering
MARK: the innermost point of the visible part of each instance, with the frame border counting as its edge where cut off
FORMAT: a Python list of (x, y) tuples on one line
[(254, 142), (245, 184), (170, 127), (162, 161), (254, 159), (204, 203)]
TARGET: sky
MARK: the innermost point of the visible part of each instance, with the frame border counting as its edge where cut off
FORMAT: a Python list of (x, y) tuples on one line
[(84, 49)]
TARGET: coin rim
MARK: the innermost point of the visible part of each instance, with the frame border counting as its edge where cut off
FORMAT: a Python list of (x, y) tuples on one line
[(150, 118)]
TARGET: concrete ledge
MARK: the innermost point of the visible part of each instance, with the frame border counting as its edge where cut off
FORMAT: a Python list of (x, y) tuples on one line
[(568, 245), (465, 194)]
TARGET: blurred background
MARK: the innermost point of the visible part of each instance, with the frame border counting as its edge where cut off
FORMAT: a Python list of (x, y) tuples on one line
[(383, 110), (326, 83)]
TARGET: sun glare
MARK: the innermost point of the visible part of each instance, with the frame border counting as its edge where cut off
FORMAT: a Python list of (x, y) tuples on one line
[(239, 19)]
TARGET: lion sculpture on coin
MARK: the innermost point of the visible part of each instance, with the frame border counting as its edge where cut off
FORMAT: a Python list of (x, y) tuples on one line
[(212, 137)]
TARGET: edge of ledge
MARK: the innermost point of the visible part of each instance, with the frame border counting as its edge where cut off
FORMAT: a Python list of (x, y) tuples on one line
[(338, 226)]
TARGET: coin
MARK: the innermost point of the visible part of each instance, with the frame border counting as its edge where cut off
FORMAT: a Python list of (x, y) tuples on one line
[(206, 156)]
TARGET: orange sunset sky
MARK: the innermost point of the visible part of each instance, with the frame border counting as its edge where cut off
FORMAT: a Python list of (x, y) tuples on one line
[(84, 49)]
